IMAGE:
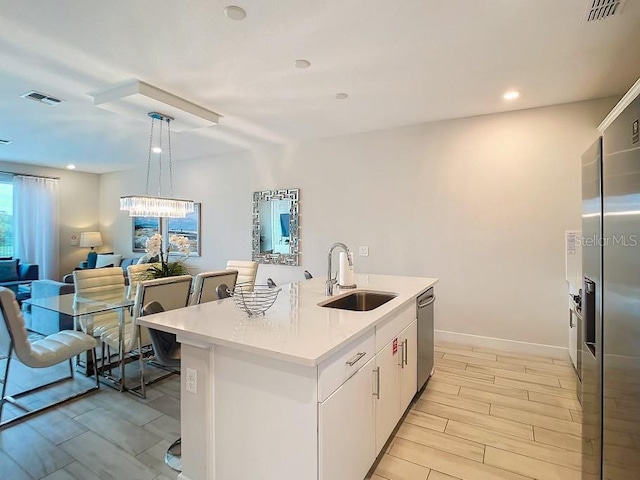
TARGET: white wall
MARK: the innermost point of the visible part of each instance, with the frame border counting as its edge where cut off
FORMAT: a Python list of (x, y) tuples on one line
[(482, 203), (78, 207)]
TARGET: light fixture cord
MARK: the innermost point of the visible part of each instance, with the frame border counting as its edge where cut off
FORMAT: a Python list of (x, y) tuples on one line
[(160, 162), (146, 190), (170, 163)]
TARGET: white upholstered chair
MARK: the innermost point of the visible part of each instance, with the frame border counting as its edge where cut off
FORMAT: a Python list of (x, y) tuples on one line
[(101, 284), (51, 350), (206, 283), (247, 271), (136, 273), (171, 293)]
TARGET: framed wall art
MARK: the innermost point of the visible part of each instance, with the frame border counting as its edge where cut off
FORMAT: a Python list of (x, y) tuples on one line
[(189, 227), (143, 228)]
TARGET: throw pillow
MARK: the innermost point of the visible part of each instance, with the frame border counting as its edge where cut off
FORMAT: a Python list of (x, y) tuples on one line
[(106, 266), (92, 258), (104, 260), (143, 259), (9, 270)]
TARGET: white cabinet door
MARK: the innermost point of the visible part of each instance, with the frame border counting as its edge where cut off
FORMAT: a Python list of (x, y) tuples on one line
[(409, 368), (388, 392), (346, 433)]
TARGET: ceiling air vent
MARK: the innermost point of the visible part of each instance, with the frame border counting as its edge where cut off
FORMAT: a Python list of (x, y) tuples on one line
[(601, 9), (41, 97), (4, 142)]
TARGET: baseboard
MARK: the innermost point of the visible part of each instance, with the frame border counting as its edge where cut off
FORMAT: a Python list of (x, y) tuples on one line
[(513, 346)]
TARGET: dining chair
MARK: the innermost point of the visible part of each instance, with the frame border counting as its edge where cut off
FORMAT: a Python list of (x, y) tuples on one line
[(247, 271), (100, 284), (223, 291), (135, 274), (49, 351), (167, 350), (205, 285), (173, 293)]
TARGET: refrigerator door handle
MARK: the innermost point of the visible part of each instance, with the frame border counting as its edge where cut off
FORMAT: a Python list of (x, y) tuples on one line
[(429, 301)]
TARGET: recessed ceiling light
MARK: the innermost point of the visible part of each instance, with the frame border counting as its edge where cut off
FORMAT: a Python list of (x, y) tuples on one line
[(156, 150), (235, 13), (71, 166), (511, 95), (341, 96), (302, 63)]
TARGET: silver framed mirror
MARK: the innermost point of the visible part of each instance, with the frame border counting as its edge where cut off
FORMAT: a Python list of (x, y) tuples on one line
[(275, 226)]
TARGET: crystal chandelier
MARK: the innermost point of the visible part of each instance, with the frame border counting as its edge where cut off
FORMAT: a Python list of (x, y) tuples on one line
[(158, 206)]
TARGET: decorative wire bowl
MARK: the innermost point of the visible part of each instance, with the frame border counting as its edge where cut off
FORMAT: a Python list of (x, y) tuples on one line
[(256, 299)]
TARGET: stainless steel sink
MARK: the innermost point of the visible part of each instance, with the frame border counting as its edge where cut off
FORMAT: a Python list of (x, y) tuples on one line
[(360, 301)]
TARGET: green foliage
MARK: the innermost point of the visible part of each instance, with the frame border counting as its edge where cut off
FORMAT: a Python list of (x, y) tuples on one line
[(164, 269)]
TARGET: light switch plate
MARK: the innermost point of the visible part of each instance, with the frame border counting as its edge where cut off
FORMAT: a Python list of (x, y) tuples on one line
[(363, 251)]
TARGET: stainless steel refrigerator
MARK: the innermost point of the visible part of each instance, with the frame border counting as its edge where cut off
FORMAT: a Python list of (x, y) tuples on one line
[(610, 346)]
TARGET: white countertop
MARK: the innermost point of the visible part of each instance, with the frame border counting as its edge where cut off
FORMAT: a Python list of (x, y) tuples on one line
[(295, 328)]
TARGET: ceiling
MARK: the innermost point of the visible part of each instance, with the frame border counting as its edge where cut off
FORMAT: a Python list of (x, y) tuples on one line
[(401, 62)]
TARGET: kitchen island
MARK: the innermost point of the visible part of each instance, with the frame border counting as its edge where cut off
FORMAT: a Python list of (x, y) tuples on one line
[(306, 392)]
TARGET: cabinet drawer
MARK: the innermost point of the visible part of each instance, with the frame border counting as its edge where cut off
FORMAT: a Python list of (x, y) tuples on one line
[(394, 325), (343, 364)]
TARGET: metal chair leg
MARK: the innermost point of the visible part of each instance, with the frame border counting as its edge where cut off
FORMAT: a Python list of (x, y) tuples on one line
[(109, 359), (143, 392), (122, 374), (95, 367), (5, 380), (13, 398), (71, 368)]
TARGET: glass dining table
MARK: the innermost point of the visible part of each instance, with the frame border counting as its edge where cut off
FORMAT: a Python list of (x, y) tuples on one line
[(86, 305)]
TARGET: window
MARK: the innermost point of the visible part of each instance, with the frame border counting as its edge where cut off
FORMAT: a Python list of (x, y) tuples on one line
[(6, 218)]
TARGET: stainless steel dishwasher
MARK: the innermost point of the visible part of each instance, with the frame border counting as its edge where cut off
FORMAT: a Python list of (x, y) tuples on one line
[(424, 305)]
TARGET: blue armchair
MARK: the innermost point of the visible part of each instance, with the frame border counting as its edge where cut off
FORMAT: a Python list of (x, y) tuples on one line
[(40, 320)]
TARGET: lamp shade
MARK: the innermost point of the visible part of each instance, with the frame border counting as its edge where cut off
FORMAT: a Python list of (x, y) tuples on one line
[(90, 239)]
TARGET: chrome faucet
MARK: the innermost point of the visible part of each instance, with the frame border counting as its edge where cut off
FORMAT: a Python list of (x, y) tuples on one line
[(332, 281)]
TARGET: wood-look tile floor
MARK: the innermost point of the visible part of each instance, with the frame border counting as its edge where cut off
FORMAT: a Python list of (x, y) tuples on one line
[(485, 414), (488, 414), (104, 435)]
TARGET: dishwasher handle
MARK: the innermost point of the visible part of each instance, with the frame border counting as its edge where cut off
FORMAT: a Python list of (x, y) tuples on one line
[(429, 301)]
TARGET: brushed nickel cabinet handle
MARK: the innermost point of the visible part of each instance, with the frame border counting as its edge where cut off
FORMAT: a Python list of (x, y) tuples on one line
[(377, 392), (356, 358), (405, 351)]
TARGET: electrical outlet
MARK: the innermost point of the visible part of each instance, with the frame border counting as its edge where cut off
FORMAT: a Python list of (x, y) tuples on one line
[(192, 380), (363, 251)]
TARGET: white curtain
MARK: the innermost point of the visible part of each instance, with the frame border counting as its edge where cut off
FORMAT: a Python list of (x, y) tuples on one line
[(36, 223)]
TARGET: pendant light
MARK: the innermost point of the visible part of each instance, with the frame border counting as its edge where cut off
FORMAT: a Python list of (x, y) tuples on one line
[(157, 206)]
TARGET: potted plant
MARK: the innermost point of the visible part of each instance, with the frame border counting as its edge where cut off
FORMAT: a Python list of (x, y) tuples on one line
[(165, 268)]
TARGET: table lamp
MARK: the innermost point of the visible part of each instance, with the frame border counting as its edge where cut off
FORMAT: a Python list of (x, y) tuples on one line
[(92, 240)]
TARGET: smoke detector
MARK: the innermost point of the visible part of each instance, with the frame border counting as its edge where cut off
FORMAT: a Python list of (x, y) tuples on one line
[(41, 97), (601, 9)]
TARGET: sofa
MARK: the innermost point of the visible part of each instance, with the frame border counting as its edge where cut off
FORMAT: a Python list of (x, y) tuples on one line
[(13, 274), (109, 259)]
